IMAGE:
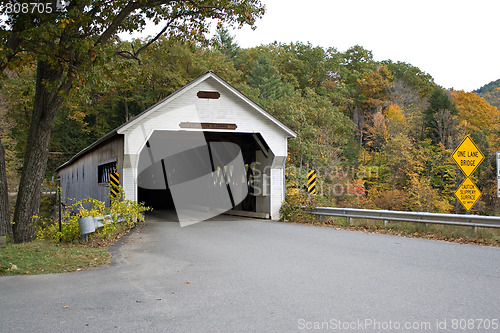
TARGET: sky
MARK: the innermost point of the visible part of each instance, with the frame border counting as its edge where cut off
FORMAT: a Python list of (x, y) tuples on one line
[(455, 41)]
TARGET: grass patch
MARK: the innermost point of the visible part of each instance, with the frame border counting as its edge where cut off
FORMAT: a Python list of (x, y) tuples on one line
[(451, 233), (43, 257)]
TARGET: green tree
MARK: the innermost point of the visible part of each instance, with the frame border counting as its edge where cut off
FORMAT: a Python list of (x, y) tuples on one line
[(266, 79), (491, 93), (225, 43), (412, 76), (323, 131), (65, 44), (441, 118)]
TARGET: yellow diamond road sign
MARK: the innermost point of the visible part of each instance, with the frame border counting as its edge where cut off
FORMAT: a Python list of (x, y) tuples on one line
[(467, 193), (468, 156)]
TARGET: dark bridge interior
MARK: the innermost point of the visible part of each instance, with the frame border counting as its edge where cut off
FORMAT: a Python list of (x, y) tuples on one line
[(156, 180)]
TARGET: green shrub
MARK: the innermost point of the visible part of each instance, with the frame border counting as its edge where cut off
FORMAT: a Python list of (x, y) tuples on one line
[(297, 206), (126, 212)]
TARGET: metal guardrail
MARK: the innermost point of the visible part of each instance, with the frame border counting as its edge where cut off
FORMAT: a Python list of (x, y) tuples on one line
[(420, 217), (43, 192), (89, 224)]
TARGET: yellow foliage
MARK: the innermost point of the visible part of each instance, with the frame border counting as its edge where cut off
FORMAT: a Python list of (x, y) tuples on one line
[(394, 113), (78, 116), (475, 112)]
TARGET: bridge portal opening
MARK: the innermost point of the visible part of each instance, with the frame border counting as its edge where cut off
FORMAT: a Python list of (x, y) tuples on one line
[(205, 173)]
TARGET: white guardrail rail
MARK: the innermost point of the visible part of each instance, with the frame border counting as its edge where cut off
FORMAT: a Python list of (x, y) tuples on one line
[(422, 217)]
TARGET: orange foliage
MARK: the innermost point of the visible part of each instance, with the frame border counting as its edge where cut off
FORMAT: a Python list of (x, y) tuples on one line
[(475, 112)]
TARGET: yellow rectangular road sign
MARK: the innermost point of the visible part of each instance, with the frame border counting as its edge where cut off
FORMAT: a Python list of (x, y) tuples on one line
[(114, 182), (467, 193), (311, 182), (468, 156)]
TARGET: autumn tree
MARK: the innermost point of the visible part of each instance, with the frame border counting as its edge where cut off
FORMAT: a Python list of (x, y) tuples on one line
[(373, 87), (377, 132), (372, 90), (396, 120), (475, 112), (66, 43)]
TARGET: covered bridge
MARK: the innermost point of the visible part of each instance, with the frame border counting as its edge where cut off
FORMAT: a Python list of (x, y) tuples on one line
[(203, 150)]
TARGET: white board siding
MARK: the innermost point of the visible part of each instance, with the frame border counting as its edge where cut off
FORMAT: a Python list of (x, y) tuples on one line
[(277, 186), (189, 108)]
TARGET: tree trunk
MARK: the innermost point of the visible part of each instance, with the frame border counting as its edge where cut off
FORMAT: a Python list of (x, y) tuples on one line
[(125, 103), (5, 226), (49, 95)]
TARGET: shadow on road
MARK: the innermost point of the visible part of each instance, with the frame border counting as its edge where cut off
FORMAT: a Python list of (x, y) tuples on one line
[(166, 215)]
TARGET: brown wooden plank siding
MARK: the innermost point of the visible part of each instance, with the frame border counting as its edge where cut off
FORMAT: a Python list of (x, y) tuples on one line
[(79, 180)]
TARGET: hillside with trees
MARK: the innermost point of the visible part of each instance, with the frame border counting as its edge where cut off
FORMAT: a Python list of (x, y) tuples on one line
[(491, 93), (380, 134)]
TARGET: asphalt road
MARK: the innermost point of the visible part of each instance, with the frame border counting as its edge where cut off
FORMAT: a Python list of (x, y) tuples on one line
[(243, 275)]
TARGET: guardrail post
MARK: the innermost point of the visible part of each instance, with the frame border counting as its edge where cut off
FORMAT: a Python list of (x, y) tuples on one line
[(385, 223), (351, 220)]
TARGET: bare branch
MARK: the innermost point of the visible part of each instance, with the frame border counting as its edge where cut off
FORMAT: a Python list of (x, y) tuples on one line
[(136, 53), (128, 55), (117, 21)]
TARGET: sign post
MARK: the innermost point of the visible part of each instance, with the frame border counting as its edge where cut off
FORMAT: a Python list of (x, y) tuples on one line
[(468, 157)]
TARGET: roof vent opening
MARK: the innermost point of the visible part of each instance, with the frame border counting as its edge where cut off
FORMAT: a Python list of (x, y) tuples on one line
[(208, 94)]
